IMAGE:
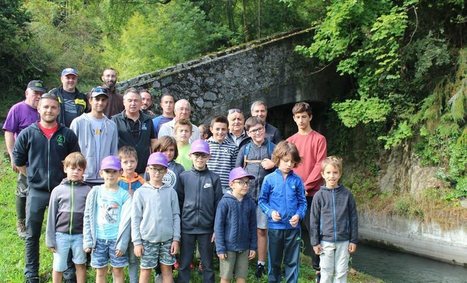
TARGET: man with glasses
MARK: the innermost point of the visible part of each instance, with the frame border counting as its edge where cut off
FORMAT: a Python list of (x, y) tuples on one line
[(135, 128), (260, 109), (97, 135), (237, 134), (42, 146), (72, 102), (20, 116), (182, 111), (115, 100)]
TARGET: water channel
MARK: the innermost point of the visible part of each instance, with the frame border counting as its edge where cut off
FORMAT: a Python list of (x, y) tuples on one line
[(392, 266)]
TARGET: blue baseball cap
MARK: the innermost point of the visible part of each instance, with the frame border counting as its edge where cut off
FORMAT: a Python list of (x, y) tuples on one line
[(69, 71)]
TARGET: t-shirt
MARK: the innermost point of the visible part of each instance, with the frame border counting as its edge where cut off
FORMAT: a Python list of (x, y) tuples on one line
[(20, 116), (158, 121), (184, 156), (71, 112), (48, 132), (109, 208)]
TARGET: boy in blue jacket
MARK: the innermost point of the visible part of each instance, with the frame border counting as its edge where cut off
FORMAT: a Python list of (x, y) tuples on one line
[(334, 223), (235, 228), (283, 200)]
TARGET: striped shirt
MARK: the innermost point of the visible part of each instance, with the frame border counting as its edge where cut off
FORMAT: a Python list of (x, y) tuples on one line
[(222, 161)]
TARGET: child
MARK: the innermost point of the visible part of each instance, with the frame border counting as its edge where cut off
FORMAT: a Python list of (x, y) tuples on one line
[(198, 194), (155, 221), (334, 223), (204, 132), (168, 146), (235, 228), (182, 133), (223, 152), (130, 181), (282, 199), (65, 219), (255, 157), (107, 222)]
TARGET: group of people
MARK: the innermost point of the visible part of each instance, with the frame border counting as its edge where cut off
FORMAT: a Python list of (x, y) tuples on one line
[(148, 192)]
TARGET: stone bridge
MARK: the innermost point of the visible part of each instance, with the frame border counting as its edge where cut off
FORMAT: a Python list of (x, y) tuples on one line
[(266, 69)]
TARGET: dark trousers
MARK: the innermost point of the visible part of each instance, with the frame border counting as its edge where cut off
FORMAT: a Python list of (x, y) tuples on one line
[(188, 245), (283, 246), (36, 203), (308, 249)]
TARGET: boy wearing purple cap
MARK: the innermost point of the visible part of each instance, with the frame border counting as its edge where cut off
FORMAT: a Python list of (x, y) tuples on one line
[(155, 221), (107, 222), (198, 194), (235, 228)]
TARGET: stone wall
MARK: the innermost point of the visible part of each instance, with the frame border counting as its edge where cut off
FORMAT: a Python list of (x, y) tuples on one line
[(269, 69)]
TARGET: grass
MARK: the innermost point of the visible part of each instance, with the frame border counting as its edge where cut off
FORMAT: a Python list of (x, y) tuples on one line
[(12, 256)]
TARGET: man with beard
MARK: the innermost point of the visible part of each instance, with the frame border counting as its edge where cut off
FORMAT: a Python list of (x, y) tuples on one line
[(147, 105), (115, 100), (42, 147), (21, 115)]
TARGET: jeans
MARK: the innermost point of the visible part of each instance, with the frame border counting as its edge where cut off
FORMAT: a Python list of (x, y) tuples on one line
[(36, 203), (283, 246)]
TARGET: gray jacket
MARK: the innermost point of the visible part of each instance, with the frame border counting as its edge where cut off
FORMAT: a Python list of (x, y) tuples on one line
[(90, 231), (82, 127), (333, 216), (155, 215)]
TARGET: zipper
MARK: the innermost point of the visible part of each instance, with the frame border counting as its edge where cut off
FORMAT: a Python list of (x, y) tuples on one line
[(72, 206), (334, 214)]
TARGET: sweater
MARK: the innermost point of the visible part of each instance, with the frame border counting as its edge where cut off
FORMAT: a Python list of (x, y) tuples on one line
[(287, 197), (66, 210), (155, 215), (333, 216), (235, 224)]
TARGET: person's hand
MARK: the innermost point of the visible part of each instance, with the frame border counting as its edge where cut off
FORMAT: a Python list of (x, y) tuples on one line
[(267, 164), (294, 220), (251, 255), (222, 256), (213, 238), (317, 249), (87, 250), (175, 247), (352, 248), (138, 250), (275, 216), (13, 166), (52, 249), (118, 253)]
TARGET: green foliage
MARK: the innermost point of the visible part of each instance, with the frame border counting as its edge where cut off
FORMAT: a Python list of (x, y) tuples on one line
[(353, 112)]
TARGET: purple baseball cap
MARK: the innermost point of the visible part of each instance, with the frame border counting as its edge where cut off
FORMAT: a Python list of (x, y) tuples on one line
[(111, 162), (238, 173), (200, 146), (158, 158)]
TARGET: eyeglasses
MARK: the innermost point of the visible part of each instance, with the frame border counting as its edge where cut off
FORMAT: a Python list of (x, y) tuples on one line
[(255, 131), (234, 110), (157, 170), (110, 171), (200, 155), (242, 183)]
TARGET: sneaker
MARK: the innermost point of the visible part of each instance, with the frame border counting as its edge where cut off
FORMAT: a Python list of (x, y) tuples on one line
[(260, 270), (21, 228), (32, 280)]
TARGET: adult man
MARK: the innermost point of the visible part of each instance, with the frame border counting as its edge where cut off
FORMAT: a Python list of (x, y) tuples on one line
[(43, 146), (115, 101), (72, 102), (97, 135), (312, 148), (167, 105), (21, 115), (147, 105), (237, 133), (260, 109), (182, 111), (135, 128)]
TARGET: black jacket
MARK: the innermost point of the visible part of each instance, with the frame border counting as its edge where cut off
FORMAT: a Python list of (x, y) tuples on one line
[(198, 194), (44, 157)]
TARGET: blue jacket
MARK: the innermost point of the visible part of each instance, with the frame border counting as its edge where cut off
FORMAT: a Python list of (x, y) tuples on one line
[(333, 216), (235, 224), (284, 196)]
